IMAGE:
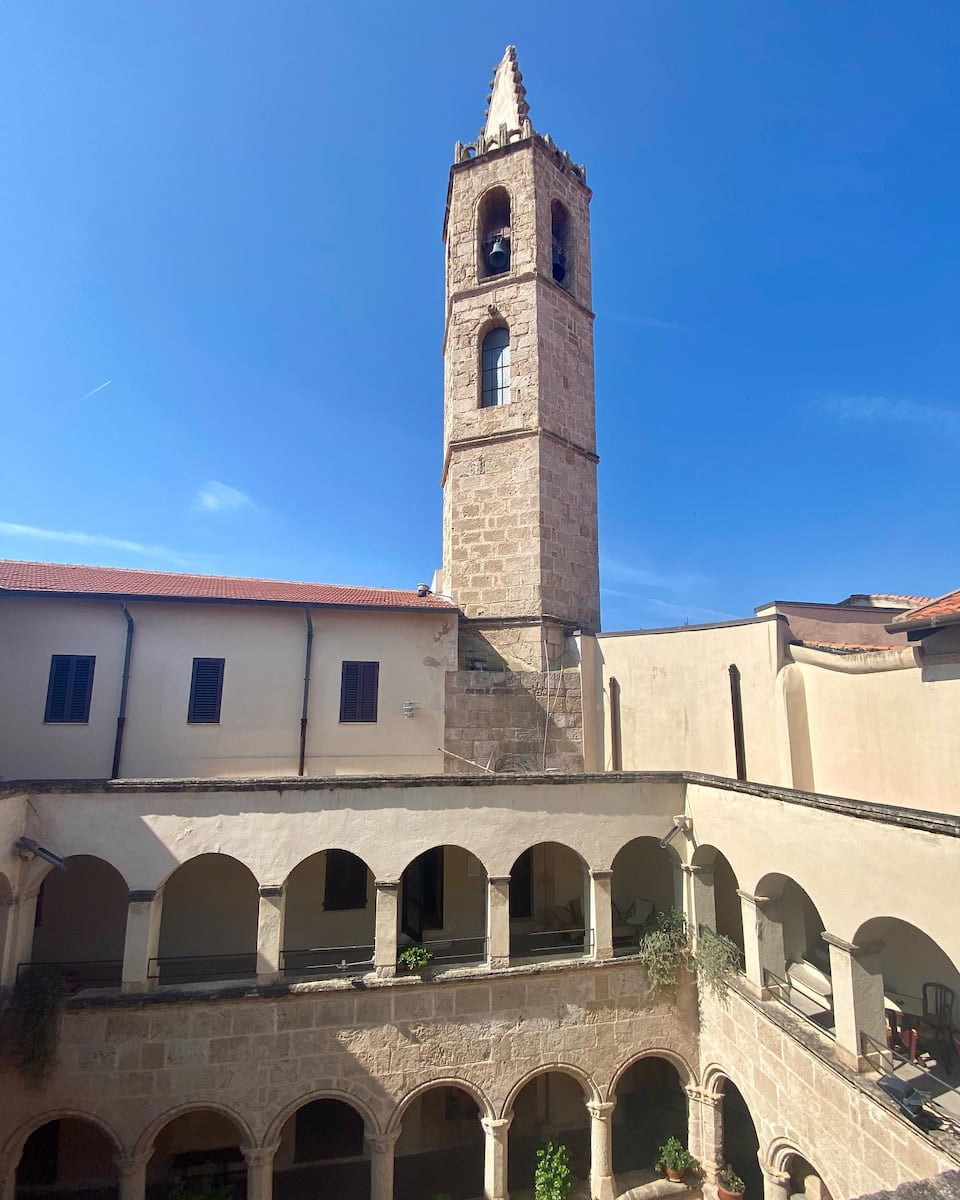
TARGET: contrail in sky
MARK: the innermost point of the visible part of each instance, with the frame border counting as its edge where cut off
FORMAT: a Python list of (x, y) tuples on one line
[(94, 391)]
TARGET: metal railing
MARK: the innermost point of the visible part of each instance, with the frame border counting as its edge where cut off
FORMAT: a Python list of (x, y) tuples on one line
[(326, 961), (782, 988), (449, 951), (91, 973), (555, 942), (885, 1059), (203, 968)]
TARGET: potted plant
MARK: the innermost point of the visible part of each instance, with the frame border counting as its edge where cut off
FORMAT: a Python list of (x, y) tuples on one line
[(729, 1184), (665, 951), (674, 1159), (553, 1179), (717, 958), (414, 959)]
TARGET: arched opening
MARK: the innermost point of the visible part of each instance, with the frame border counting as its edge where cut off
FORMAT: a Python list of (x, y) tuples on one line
[(199, 1147), (208, 930), (329, 916), (322, 1152), (443, 906), (440, 1148), (646, 881), (67, 1157), (651, 1106), (493, 226), (919, 987), (495, 368), (805, 1180), (740, 1142), (719, 877), (6, 903), (792, 932), (550, 1107), (80, 923), (548, 903), (561, 264)]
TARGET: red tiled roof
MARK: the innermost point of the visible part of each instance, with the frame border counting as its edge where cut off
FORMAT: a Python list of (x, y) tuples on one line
[(945, 610), (69, 579)]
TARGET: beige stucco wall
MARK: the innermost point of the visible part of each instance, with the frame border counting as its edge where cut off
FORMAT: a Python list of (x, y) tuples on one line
[(259, 729)]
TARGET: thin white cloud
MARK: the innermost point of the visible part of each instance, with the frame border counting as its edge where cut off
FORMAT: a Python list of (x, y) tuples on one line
[(93, 391), (640, 576), (883, 410), (690, 608), (641, 322), (220, 497), (77, 538)]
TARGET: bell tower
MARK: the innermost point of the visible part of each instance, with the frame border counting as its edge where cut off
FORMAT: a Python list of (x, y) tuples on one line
[(520, 464)]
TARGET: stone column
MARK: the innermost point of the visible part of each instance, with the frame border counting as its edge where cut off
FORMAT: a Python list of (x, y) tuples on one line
[(601, 1150), (857, 999), (762, 940), (385, 937), (381, 1163), (776, 1184), (699, 901), (270, 934), (142, 939), (705, 1130), (132, 1177), (495, 1130), (601, 913), (498, 921), (8, 1180), (259, 1171), (21, 918)]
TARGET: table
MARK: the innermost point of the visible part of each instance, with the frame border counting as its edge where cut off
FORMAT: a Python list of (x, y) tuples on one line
[(901, 1011)]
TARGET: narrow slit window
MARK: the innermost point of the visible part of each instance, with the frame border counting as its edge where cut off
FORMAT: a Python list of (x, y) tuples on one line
[(359, 685), (206, 691), (69, 689), (496, 368)]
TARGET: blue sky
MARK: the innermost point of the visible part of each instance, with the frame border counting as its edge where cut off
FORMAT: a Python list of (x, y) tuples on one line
[(222, 285)]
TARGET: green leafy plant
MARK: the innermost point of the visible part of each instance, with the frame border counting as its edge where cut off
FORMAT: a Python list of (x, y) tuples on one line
[(553, 1179), (665, 950), (201, 1187), (672, 1155), (731, 1181), (414, 958), (716, 958), (33, 1019)]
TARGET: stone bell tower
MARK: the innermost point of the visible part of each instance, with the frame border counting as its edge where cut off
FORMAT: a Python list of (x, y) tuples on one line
[(520, 464)]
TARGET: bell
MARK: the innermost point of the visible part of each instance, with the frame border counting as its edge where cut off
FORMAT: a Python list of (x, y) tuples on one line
[(499, 257), (559, 270)]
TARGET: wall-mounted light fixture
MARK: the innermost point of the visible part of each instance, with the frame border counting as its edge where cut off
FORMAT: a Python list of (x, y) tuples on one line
[(410, 708)]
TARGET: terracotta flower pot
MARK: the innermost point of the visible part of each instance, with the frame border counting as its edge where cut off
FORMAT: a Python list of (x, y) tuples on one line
[(675, 1176), (723, 1194)]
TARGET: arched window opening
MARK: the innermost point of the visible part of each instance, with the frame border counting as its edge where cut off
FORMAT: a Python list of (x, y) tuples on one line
[(495, 368), (198, 1148), (651, 1106), (805, 1180), (792, 936), (646, 882), (329, 916), (740, 1141), (548, 904), (440, 1148), (560, 244), (322, 1152), (67, 1157), (551, 1107), (494, 230), (80, 924), (717, 899), (443, 905), (208, 930)]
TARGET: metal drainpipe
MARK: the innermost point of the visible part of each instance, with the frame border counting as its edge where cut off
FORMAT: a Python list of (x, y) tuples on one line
[(124, 681), (306, 691)]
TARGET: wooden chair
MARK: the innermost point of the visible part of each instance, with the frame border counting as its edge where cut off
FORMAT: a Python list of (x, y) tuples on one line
[(936, 1022)]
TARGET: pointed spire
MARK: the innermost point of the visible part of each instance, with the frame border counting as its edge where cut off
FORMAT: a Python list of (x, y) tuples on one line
[(506, 104)]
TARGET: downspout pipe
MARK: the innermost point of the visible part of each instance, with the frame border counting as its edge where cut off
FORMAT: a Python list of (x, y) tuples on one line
[(304, 711), (124, 683)]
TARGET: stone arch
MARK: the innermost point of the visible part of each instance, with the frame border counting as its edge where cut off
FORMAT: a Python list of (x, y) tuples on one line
[(329, 907), (904, 949), (492, 220), (145, 1142), (688, 1076), (65, 1150), (724, 898), (590, 1089), (650, 1092), (646, 881), (549, 901), (177, 866), (778, 1155), (483, 1103), (13, 1147), (442, 903), (716, 1083), (372, 1123), (795, 958), (562, 245)]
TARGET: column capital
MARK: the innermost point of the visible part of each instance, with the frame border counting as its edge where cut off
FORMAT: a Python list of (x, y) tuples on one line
[(496, 1126), (851, 948), (387, 885), (129, 1164), (601, 872), (704, 872), (141, 895), (601, 1110), (758, 901), (382, 1143), (259, 1156), (778, 1178), (271, 891), (498, 879)]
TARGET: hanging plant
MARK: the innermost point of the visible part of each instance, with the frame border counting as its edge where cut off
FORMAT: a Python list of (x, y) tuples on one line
[(33, 1019), (665, 951), (553, 1179), (716, 959)]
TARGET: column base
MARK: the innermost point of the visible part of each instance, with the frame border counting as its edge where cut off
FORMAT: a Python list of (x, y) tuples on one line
[(385, 971), (603, 1188), (499, 963), (134, 987)]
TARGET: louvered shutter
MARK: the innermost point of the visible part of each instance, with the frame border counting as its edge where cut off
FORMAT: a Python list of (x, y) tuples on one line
[(369, 673), (69, 688), (358, 691), (345, 884), (206, 688), (78, 705)]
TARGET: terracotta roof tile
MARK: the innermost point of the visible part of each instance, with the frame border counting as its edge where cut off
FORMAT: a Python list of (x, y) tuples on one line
[(944, 610), (115, 581)]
